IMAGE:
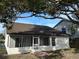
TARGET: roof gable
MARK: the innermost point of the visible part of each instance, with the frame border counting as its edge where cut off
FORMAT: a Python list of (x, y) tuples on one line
[(62, 21)]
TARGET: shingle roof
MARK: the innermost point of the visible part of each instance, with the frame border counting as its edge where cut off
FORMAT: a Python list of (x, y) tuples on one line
[(32, 29), (19, 27)]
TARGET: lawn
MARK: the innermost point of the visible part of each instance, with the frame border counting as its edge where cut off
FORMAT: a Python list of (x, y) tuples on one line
[(2, 51), (62, 54)]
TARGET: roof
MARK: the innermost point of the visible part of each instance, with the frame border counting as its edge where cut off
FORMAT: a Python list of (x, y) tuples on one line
[(20, 27), (32, 29)]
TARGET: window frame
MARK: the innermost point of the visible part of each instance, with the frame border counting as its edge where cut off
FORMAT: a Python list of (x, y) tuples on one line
[(53, 41)]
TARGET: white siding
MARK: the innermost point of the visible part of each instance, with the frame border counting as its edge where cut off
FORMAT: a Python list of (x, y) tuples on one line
[(66, 24), (18, 50), (62, 42), (12, 43)]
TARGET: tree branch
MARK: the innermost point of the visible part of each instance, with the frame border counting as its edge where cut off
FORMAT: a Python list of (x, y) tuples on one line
[(74, 21)]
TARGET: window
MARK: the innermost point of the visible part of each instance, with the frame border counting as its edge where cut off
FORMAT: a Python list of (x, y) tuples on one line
[(53, 41), (64, 29)]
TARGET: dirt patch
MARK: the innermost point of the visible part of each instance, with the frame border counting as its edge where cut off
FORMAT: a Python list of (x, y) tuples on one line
[(70, 54)]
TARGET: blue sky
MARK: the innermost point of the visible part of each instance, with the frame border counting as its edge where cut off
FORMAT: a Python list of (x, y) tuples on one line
[(1, 27), (35, 20), (38, 20)]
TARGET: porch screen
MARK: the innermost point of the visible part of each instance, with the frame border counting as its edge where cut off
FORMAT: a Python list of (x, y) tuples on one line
[(44, 41), (23, 41), (18, 42), (53, 41)]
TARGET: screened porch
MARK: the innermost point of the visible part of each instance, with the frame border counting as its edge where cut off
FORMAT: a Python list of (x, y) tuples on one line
[(35, 41)]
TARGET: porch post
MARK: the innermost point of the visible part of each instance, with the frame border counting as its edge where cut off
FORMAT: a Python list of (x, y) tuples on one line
[(50, 40), (22, 40), (38, 41), (9, 41), (33, 41)]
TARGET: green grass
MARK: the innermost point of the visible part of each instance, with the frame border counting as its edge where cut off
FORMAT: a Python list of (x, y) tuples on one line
[(2, 51)]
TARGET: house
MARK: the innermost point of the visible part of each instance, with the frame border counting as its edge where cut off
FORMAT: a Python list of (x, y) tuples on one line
[(24, 38), (69, 27), (74, 38)]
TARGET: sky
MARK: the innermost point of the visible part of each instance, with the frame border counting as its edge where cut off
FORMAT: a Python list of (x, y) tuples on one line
[(34, 20), (1, 29)]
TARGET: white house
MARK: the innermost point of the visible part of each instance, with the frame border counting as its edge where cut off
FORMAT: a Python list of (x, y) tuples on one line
[(74, 38), (23, 38)]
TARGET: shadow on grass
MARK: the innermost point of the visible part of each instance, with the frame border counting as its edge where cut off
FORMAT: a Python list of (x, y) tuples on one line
[(57, 54), (54, 55), (3, 57)]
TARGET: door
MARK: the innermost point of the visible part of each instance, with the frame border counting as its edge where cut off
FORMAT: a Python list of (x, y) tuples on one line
[(35, 42)]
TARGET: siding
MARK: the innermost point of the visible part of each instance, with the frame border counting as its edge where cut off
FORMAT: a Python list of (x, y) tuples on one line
[(62, 24)]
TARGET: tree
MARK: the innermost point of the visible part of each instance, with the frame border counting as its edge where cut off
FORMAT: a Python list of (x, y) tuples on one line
[(54, 8), (1, 36), (73, 28)]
